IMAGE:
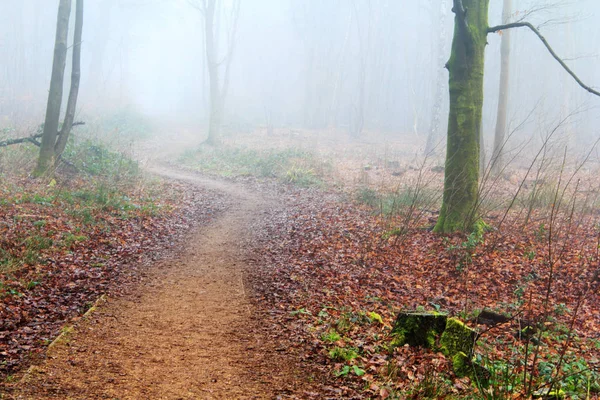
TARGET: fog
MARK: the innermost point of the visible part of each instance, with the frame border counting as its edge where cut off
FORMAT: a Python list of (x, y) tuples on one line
[(301, 64)]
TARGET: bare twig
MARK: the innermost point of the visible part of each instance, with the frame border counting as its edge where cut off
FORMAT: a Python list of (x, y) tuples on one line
[(545, 42)]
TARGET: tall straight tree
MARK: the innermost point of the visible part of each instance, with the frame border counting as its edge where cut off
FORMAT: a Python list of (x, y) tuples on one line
[(466, 67), (464, 120), (434, 128), (214, 124), (501, 115), (47, 156), (54, 142), (218, 91), (357, 120), (61, 141)]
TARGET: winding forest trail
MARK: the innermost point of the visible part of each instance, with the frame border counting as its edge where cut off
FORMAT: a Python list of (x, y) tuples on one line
[(188, 332)]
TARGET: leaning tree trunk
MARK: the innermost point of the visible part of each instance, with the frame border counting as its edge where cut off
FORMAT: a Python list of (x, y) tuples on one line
[(501, 116), (61, 141), (465, 66), (214, 125), (47, 156)]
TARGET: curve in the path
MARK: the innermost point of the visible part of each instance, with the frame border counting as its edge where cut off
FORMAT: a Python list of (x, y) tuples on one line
[(187, 334)]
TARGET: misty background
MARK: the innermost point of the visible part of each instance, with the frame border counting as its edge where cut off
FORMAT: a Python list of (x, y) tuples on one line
[(302, 64)]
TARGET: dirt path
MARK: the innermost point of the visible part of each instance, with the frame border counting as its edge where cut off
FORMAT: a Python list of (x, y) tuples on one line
[(189, 332)]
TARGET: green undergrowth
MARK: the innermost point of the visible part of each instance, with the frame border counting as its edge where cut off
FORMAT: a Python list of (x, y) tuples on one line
[(568, 373), (39, 217), (294, 166), (401, 211), (395, 203), (361, 346), (96, 159)]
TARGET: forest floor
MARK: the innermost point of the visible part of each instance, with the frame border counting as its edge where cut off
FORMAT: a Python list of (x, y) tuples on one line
[(188, 332), (289, 286)]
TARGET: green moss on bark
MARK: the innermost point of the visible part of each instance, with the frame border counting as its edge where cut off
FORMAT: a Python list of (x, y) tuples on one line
[(466, 67), (436, 331), (457, 338), (457, 343), (418, 329)]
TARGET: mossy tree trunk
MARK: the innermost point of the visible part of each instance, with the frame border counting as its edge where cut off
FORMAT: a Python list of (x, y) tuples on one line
[(459, 207), (461, 181), (47, 155)]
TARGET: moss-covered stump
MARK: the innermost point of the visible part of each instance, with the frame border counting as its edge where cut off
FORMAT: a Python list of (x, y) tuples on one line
[(457, 343), (418, 328), (457, 338)]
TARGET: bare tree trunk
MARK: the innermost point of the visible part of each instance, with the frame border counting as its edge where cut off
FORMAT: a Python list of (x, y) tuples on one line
[(308, 88), (501, 118), (359, 113), (434, 129), (61, 142), (95, 72), (567, 92), (214, 124), (47, 156), (217, 92), (333, 109), (235, 13)]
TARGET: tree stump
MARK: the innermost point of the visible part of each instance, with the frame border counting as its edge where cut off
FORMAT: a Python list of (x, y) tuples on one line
[(438, 332), (418, 328), (457, 338)]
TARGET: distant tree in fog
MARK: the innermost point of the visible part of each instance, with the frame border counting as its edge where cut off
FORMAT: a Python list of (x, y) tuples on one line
[(434, 128), (357, 120), (501, 115), (218, 90), (99, 42), (466, 68), (54, 142)]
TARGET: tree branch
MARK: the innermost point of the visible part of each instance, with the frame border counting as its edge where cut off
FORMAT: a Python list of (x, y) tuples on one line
[(10, 142), (31, 139), (543, 39), (197, 7)]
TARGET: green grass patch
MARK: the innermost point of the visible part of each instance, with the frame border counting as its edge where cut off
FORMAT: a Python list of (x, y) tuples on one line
[(295, 166), (331, 336), (343, 353), (571, 374), (106, 186), (96, 159), (396, 203)]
